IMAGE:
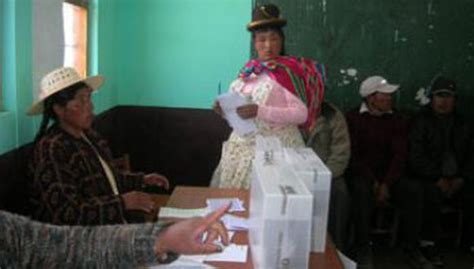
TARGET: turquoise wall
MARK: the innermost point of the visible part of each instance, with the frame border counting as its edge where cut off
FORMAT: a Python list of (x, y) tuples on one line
[(103, 50), (170, 52), (15, 127)]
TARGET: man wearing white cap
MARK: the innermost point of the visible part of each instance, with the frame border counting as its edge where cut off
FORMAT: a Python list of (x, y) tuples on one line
[(378, 155)]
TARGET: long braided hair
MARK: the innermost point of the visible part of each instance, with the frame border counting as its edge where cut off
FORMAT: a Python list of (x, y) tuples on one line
[(60, 98)]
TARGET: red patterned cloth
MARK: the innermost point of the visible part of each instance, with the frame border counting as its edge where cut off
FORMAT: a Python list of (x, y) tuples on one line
[(303, 77)]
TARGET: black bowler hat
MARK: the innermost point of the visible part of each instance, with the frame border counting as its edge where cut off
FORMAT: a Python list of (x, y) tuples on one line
[(267, 15)]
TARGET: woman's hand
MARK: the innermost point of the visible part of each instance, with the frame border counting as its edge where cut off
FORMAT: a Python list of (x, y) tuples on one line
[(248, 111), (185, 236), (155, 179), (136, 200), (217, 108)]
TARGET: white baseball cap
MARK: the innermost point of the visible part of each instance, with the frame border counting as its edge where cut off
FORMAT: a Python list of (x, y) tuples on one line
[(376, 84)]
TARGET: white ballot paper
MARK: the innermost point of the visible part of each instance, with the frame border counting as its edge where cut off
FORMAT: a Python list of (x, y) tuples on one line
[(346, 262), (181, 263), (172, 212), (234, 223), (237, 205), (229, 102), (230, 253)]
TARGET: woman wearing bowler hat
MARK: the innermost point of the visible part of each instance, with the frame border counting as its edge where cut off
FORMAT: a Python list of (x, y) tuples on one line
[(285, 95), (73, 179)]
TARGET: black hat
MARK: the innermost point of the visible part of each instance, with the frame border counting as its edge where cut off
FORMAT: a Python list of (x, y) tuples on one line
[(443, 85), (267, 15)]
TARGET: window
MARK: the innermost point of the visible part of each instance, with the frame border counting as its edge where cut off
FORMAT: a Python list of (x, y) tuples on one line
[(75, 35)]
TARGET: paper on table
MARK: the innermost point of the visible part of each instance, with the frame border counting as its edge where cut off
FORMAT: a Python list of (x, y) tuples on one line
[(235, 223), (171, 212), (229, 102), (346, 262), (182, 262), (232, 253), (201, 258), (237, 205)]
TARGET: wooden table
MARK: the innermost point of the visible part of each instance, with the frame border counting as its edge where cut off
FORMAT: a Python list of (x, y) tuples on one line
[(195, 197)]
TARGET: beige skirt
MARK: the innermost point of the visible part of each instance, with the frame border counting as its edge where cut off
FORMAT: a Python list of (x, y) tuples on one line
[(238, 152)]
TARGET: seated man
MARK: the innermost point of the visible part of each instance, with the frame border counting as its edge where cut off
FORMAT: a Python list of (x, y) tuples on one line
[(73, 181), (378, 155), (441, 156), (330, 140)]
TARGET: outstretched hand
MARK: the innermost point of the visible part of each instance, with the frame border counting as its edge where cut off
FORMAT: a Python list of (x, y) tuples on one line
[(186, 236)]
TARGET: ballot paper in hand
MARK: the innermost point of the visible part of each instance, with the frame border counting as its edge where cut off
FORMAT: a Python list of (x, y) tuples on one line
[(234, 223), (236, 205), (229, 102)]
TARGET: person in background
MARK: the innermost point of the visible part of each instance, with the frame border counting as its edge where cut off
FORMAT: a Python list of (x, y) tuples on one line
[(378, 137), (73, 179), (285, 94), (330, 140), (441, 158), (29, 244)]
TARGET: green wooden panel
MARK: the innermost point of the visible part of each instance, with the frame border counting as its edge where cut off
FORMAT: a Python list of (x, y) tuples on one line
[(406, 41)]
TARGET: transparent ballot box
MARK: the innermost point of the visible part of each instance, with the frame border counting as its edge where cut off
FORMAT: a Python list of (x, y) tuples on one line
[(317, 178), (280, 213)]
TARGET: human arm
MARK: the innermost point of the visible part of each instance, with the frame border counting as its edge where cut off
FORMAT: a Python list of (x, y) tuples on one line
[(340, 147), (29, 244), (186, 236), (282, 107)]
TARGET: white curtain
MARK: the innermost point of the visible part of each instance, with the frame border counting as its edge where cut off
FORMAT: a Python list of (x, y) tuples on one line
[(48, 39)]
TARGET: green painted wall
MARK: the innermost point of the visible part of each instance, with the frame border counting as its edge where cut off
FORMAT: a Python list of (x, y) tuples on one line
[(15, 127), (104, 54), (152, 52), (407, 41), (170, 52)]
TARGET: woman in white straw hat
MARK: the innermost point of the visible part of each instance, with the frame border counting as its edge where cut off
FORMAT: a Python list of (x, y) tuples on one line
[(73, 179)]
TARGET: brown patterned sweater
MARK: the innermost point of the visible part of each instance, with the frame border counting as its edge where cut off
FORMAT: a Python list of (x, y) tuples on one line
[(69, 184)]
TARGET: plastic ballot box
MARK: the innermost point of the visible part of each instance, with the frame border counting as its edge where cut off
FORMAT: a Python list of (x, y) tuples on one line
[(280, 212), (317, 178)]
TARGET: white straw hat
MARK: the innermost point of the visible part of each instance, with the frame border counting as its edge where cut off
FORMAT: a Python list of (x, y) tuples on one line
[(376, 84), (58, 80)]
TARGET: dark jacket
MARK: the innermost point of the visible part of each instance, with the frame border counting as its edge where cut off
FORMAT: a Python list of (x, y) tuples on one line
[(429, 142), (69, 184)]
